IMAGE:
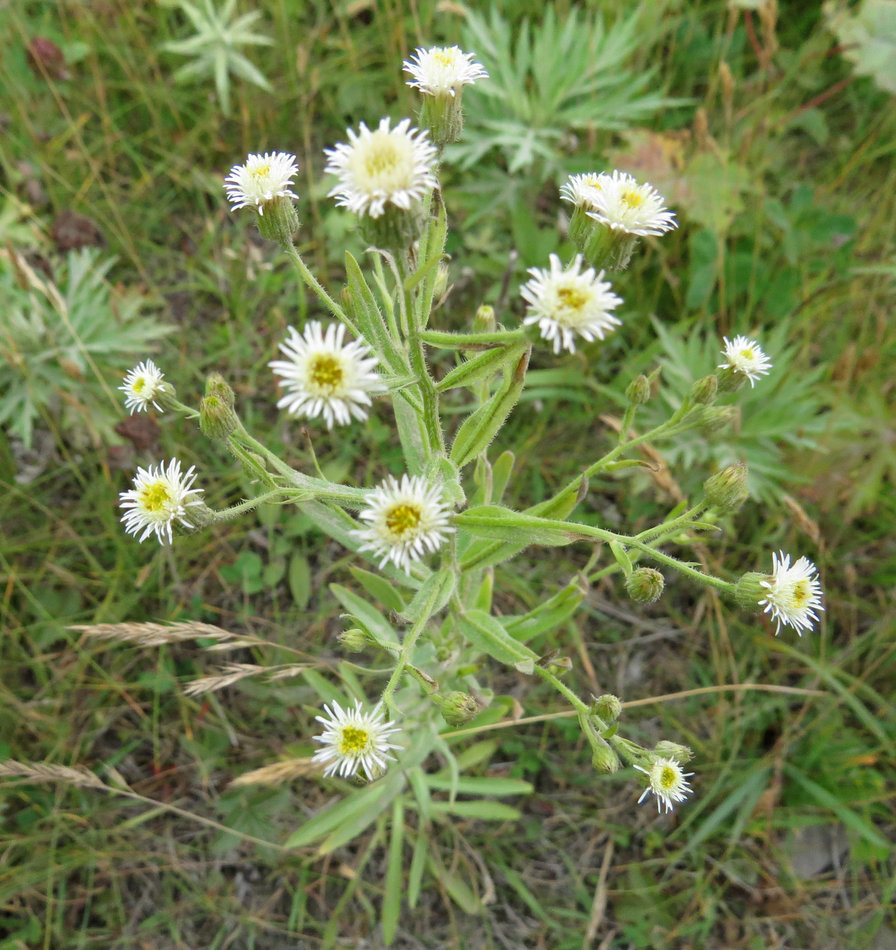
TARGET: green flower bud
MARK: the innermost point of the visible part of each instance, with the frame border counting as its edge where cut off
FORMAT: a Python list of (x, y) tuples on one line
[(217, 386), (645, 585), (217, 420), (603, 758), (355, 640), (727, 490), (443, 117), (607, 707), (484, 321), (457, 707), (609, 249), (730, 380), (672, 750), (716, 418), (705, 390), (638, 390)]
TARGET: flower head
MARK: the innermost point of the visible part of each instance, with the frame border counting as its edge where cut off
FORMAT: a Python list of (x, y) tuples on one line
[(263, 179), (159, 497), (620, 203), (581, 189), (745, 357), (405, 520), (324, 376), (386, 166), (442, 70), (566, 302), (353, 739), (141, 386), (667, 782), (793, 593)]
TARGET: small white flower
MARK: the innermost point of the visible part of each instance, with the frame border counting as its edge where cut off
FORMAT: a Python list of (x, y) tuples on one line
[(353, 739), (442, 70), (581, 189), (386, 166), (794, 593), (619, 202), (262, 179), (564, 302), (405, 520), (159, 497), (745, 356), (141, 386), (324, 376), (667, 782)]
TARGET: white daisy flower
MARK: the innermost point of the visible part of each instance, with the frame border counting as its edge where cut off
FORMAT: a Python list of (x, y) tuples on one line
[(324, 376), (263, 179), (793, 593), (405, 520), (566, 302), (442, 70), (159, 497), (353, 739), (623, 205), (580, 189), (667, 782), (141, 386), (386, 166), (745, 356)]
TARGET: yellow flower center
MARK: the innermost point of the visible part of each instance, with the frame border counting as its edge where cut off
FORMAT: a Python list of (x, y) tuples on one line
[(353, 740), (748, 354), (155, 497), (633, 198), (384, 163), (573, 298), (326, 374), (592, 181), (668, 778), (403, 519), (261, 171), (802, 594), (445, 57), (139, 384)]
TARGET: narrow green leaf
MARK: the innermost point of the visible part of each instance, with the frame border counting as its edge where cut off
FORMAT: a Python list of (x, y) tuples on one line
[(484, 810), (432, 596), (487, 635), (378, 587), (480, 785), (480, 368), (367, 616), (392, 893)]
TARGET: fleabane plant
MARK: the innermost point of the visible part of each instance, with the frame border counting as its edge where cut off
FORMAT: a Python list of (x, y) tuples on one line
[(433, 529)]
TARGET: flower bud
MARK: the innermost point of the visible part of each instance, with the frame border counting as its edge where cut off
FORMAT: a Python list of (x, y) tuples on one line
[(604, 759), (216, 385), (607, 708), (457, 707), (443, 116), (638, 390), (705, 390), (217, 420), (727, 490), (484, 321), (672, 750), (730, 380), (395, 229), (645, 585), (355, 640), (716, 418)]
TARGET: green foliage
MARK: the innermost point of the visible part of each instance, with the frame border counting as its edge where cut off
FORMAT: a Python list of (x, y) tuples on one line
[(868, 38), (62, 339), (219, 32)]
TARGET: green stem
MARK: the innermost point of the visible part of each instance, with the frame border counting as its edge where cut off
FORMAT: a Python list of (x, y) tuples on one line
[(563, 689), (315, 285)]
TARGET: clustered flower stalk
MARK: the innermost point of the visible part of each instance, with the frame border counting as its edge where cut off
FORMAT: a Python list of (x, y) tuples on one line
[(438, 528)]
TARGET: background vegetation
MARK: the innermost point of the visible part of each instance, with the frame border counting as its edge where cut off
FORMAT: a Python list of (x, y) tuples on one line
[(774, 144)]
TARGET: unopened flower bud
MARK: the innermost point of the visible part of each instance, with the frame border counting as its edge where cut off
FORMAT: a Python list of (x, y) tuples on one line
[(705, 390), (217, 420), (395, 229), (645, 585), (484, 321), (216, 385), (672, 750), (716, 418), (727, 490), (457, 707), (607, 707), (638, 390), (355, 640), (603, 758)]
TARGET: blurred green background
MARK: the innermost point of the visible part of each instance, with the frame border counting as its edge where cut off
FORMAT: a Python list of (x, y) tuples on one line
[(771, 131)]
